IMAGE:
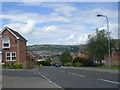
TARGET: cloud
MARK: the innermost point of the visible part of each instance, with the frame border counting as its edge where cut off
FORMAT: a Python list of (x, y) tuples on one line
[(70, 37), (30, 25), (23, 28), (49, 28), (63, 20)]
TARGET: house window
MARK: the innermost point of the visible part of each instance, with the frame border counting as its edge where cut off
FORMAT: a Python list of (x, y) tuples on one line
[(6, 42), (11, 56)]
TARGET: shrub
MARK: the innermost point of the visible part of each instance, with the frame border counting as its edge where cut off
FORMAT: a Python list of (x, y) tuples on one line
[(88, 63), (10, 66), (78, 64), (67, 64), (46, 63), (78, 59), (17, 65), (53, 64)]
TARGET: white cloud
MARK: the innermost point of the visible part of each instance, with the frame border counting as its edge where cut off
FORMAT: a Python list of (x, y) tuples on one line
[(49, 28), (23, 28), (70, 37), (28, 27), (78, 23)]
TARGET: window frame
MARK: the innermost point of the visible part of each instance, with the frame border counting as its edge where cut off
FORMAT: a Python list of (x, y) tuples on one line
[(11, 56), (4, 42)]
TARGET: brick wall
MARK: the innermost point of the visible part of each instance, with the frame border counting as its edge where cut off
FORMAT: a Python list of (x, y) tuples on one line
[(115, 58), (17, 46), (22, 52), (13, 47), (30, 63)]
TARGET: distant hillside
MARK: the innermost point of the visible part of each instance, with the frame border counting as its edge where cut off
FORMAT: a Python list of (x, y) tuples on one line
[(51, 50)]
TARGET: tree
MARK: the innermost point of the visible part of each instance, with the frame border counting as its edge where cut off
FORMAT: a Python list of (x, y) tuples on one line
[(97, 45), (65, 57), (78, 61)]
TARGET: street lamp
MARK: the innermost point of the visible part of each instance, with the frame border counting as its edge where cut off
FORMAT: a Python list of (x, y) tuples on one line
[(99, 15)]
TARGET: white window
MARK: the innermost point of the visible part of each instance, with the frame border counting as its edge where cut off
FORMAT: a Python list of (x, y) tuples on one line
[(6, 42), (11, 56)]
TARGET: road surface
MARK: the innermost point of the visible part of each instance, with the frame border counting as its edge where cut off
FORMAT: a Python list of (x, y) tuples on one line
[(59, 77)]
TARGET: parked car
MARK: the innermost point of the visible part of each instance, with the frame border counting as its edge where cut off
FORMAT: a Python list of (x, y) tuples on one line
[(57, 65)]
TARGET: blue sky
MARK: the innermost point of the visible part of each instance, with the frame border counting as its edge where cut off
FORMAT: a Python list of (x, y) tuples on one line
[(66, 23)]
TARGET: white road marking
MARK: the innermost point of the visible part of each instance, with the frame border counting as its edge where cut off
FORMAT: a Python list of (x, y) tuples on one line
[(62, 71), (49, 80), (34, 72), (77, 74), (109, 81)]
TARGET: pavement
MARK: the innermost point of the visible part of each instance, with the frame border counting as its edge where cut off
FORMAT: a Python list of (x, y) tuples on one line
[(24, 79), (97, 69), (60, 77)]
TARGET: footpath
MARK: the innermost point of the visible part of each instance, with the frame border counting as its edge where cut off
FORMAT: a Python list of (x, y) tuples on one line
[(96, 69)]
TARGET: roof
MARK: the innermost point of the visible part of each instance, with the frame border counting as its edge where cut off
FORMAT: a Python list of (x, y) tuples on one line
[(30, 53), (82, 48), (16, 34)]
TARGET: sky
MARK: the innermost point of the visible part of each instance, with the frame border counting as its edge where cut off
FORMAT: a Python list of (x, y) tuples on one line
[(60, 23)]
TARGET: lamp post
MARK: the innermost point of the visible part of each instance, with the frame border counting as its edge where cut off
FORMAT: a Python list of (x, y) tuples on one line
[(109, 61)]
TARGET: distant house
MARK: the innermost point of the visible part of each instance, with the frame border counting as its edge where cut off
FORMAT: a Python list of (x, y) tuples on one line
[(73, 55), (115, 57), (31, 60), (56, 59), (81, 51), (13, 47)]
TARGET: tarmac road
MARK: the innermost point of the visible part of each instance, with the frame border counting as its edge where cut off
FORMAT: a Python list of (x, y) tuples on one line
[(59, 77)]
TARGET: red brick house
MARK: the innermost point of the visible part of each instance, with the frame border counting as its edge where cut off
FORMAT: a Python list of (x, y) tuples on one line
[(12, 47), (31, 60), (115, 57)]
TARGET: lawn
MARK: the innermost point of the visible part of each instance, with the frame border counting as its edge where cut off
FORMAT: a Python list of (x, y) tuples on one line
[(107, 67)]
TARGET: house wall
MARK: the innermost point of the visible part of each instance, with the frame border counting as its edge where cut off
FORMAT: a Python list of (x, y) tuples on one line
[(115, 58), (56, 60), (13, 47), (22, 52), (16, 45), (30, 63)]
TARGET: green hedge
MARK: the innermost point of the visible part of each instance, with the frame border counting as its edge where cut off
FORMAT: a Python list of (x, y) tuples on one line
[(46, 63), (67, 64), (78, 64), (16, 65), (53, 64), (78, 59)]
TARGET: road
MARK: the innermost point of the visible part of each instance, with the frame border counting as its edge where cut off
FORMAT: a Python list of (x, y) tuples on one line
[(59, 77)]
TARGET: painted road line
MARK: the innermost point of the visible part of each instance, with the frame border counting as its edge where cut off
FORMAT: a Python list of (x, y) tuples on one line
[(108, 81), (62, 71), (34, 72), (78, 75), (49, 80)]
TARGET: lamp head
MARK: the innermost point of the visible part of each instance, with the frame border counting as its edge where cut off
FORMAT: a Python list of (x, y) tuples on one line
[(99, 15)]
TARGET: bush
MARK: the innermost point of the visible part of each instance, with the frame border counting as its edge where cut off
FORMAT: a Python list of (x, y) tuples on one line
[(88, 63), (78, 64), (17, 65), (53, 64), (67, 64), (78, 59), (46, 63)]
